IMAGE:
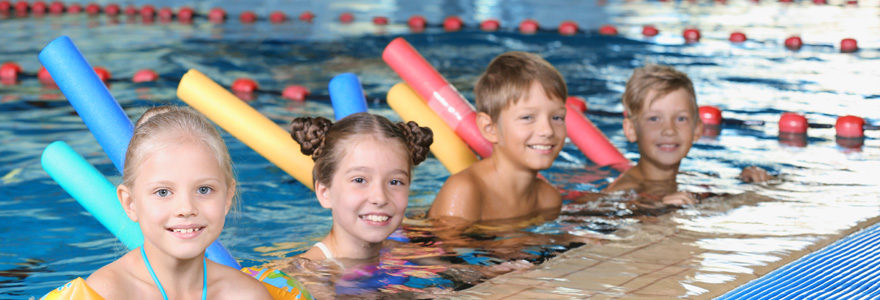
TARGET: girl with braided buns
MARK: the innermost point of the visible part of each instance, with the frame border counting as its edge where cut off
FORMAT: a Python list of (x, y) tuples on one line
[(363, 168)]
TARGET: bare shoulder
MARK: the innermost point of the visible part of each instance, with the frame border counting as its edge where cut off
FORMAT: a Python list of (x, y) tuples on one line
[(459, 197), (113, 281), (548, 196), (229, 283)]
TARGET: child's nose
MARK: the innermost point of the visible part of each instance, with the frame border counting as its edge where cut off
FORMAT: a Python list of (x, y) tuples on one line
[(186, 206), (378, 195), (545, 127), (669, 128)]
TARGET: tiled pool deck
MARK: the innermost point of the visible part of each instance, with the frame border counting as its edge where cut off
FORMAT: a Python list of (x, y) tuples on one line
[(662, 267)]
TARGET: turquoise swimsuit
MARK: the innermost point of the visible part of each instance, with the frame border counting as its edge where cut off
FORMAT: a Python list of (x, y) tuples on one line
[(159, 284)]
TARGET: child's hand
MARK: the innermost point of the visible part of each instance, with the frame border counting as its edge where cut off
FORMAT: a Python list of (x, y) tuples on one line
[(754, 174), (679, 198)]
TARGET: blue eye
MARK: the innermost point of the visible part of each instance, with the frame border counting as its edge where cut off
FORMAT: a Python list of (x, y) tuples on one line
[(162, 193), (683, 119), (526, 117), (559, 118), (204, 190), (358, 180), (397, 182), (653, 119)]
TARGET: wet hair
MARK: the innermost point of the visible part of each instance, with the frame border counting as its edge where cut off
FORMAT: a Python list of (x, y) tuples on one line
[(181, 124), (509, 77), (661, 80), (325, 141)]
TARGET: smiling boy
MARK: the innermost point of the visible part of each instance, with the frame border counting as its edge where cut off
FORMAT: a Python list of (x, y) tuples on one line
[(521, 110), (661, 116)]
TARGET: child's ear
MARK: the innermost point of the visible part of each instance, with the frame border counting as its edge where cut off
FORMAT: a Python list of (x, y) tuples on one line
[(124, 195), (487, 128), (698, 130), (629, 129), (323, 193)]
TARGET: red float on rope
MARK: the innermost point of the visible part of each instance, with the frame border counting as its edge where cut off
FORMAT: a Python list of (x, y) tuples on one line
[(417, 23), (295, 93), (185, 14), (848, 45), (247, 17), (74, 8), (710, 115), (165, 14), (528, 26), (490, 25), (380, 20), (112, 9), (306, 16), (44, 76), (649, 30), (277, 17), (131, 10), (691, 35), (244, 85), (93, 9), (346, 18), (145, 75), (56, 8), (39, 8), (217, 15), (568, 28), (452, 23), (103, 74), (793, 43), (792, 123), (22, 7), (850, 127), (9, 71), (607, 30), (737, 37), (148, 11), (5, 6)]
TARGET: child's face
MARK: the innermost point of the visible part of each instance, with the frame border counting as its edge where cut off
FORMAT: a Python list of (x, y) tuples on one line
[(530, 132), (179, 197), (665, 129), (369, 190)]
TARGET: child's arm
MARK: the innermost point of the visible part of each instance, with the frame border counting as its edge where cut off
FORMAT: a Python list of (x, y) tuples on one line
[(754, 174)]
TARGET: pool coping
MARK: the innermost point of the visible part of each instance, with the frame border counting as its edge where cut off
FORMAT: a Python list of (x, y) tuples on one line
[(550, 279)]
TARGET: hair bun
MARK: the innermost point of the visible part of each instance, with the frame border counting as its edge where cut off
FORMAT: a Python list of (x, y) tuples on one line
[(418, 140), (309, 133)]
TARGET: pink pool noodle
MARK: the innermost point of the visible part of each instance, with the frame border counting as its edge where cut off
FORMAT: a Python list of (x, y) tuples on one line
[(591, 141), (441, 96)]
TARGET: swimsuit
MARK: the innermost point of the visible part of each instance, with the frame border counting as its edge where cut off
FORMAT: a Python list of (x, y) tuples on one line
[(328, 255), (156, 280)]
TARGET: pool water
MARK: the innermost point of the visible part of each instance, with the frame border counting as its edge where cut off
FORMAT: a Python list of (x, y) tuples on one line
[(823, 188)]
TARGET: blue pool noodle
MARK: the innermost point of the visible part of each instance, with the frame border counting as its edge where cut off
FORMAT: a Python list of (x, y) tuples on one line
[(102, 114), (89, 96), (346, 95), (92, 190)]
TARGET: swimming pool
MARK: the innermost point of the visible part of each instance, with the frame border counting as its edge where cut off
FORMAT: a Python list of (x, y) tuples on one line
[(825, 188)]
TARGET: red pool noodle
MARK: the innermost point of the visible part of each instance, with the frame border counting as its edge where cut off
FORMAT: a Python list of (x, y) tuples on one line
[(441, 96), (591, 141)]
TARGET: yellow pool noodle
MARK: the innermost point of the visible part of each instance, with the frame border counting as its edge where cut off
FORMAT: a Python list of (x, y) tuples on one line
[(449, 149), (245, 123)]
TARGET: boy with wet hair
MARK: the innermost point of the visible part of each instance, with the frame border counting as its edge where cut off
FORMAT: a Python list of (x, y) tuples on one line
[(521, 110), (662, 117)]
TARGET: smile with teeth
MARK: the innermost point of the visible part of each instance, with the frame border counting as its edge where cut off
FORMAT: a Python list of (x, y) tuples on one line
[(541, 147), (667, 146), (375, 218), (186, 230)]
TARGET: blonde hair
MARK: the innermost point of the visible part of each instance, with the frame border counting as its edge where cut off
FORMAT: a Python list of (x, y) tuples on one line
[(184, 121), (509, 77), (661, 80)]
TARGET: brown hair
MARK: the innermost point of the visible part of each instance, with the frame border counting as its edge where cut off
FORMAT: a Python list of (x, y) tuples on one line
[(325, 141), (662, 80), (183, 121), (509, 77)]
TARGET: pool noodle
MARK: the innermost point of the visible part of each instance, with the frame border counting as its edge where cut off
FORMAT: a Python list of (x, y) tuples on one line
[(346, 95), (92, 190), (441, 96), (89, 96), (591, 141), (447, 147), (103, 116), (246, 124)]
